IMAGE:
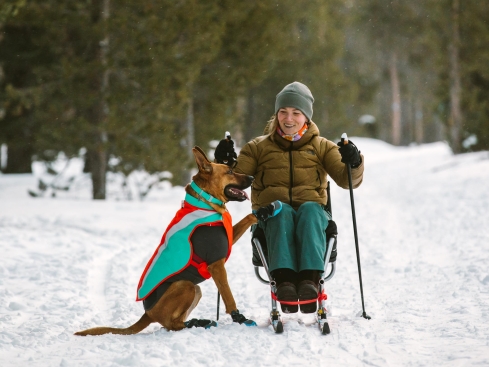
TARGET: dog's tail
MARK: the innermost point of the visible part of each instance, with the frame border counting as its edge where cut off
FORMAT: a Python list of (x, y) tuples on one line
[(140, 325)]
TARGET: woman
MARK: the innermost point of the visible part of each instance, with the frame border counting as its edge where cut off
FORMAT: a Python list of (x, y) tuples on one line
[(290, 163)]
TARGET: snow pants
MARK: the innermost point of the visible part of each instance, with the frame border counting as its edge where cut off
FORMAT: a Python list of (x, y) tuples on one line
[(297, 239)]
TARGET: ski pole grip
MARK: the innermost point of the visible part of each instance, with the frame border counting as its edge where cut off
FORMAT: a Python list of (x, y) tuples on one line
[(344, 138)]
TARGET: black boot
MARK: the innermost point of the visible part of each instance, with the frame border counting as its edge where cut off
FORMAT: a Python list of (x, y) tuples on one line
[(286, 290), (308, 289), (200, 323)]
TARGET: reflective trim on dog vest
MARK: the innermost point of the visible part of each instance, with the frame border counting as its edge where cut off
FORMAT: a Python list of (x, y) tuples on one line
[(175, 252)]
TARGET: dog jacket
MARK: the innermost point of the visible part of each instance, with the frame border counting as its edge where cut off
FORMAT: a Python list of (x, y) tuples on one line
[(175, 252)]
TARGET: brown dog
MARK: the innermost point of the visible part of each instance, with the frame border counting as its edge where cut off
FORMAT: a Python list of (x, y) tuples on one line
[(176, 304)]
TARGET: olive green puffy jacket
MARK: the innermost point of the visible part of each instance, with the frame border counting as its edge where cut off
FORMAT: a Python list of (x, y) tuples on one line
[(294, 172)]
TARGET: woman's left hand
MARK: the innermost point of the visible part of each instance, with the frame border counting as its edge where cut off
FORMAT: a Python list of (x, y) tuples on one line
[(350, 154), (266, 212)]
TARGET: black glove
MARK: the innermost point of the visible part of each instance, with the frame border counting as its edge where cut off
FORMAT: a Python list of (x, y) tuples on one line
[(225, 153), (350, 154), (241, 319), (271, 210)]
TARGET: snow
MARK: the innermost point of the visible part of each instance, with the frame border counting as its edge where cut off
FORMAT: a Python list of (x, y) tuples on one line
[(69, 263)]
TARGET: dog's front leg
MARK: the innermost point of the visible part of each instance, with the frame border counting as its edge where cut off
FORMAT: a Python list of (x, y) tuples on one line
[(242, 226), (263, 213), (218, 272)]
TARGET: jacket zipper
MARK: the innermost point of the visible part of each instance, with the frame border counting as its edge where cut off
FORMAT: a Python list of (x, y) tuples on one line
[(291, 174)]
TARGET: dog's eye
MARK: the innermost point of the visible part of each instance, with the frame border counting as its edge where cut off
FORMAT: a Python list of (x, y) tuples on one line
[(230, 172)]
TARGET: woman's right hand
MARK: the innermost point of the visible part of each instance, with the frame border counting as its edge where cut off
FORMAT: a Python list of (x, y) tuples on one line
[(225, 153)]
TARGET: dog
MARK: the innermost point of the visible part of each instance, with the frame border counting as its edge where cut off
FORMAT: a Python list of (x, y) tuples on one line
[(213, 186)]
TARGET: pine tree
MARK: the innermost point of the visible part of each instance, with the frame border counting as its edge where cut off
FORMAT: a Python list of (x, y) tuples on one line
[(113, 80), (459, 37), (300, 42)]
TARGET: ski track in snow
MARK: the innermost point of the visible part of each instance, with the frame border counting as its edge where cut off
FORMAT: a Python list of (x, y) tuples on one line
[(423, 224)]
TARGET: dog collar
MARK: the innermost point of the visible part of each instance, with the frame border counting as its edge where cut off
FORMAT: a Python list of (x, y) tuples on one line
[(202, 194), (196, 202)]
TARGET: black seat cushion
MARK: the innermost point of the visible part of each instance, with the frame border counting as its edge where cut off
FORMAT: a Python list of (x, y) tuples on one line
[(260, 235), (332, 229)]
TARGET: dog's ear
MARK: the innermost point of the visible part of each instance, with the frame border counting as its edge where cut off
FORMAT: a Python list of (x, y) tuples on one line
[(202, 160)]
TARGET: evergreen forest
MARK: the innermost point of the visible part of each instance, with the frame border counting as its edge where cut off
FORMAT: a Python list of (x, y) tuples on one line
[(144, 81)]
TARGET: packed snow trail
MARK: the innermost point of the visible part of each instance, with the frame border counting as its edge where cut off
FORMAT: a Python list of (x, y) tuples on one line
[(423, 224)]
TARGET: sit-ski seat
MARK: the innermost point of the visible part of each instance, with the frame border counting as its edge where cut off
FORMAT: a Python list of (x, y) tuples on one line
[(260, 259)]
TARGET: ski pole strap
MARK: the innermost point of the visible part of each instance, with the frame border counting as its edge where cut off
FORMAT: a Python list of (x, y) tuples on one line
[(321, 297)]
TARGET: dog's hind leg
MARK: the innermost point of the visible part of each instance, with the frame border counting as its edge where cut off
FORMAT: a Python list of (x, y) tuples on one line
[(173, 308), (198, 296)]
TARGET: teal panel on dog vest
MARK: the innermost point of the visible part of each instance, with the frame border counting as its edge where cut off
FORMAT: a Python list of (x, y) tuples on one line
[(174, 253)]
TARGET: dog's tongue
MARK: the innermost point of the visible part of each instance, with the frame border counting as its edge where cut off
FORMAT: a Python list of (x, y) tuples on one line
[(239, 192)]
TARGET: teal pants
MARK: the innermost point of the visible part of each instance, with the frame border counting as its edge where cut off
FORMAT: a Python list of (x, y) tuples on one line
[(297, 239)]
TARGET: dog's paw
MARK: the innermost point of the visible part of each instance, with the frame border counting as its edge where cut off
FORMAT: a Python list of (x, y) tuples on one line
[(207, 324), (241, 319), (249, 323), (266, 212)]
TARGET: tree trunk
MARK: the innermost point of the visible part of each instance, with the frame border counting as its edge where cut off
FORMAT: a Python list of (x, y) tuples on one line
[(97, 155), (250, 118), (98, 167), (190, 141), (418, 121), (396, 100), (456, 118), (18, 159), (190, 128)]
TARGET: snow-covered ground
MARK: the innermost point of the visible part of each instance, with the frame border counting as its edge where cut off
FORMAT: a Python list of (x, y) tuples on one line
[(68, 263)]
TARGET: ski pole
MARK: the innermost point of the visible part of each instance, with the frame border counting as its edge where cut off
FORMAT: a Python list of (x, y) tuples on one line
[(218, 301), (344, 140)]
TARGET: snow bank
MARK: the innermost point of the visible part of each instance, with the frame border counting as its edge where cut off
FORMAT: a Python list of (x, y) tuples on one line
[(70, 263)]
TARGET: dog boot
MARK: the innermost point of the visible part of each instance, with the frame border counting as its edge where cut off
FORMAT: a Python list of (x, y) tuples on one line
[(308, 290), (241, 319), (266, 212), (207, 324), (286, 291)]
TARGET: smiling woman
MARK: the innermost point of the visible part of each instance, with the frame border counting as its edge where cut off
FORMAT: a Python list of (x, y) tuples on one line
[(292, 122), (296, 160)]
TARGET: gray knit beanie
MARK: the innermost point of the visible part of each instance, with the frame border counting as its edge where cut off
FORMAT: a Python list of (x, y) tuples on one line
[(295, 95)]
